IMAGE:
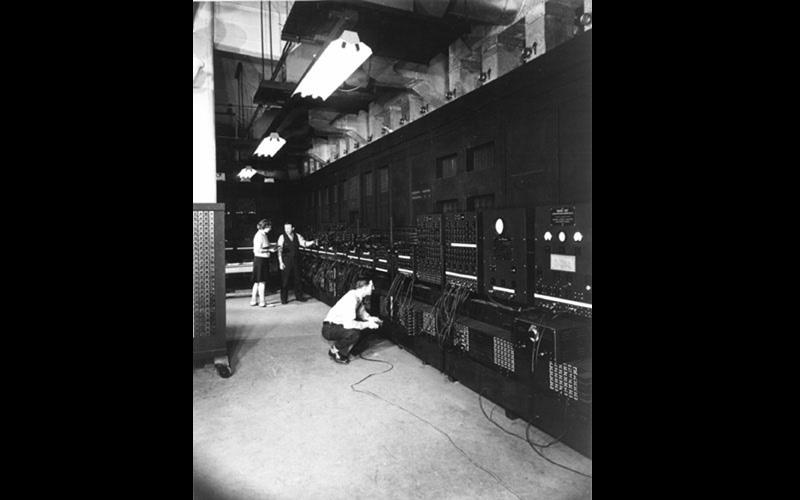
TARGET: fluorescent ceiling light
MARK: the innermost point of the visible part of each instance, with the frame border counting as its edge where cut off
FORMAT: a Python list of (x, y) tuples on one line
[(270, 145), (338, 61), (247, 173)]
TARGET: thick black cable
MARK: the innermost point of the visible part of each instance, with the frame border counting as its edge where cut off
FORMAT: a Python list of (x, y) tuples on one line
[(538, 452), (437, 429), (534, 446), (527, 438), (489, 417)]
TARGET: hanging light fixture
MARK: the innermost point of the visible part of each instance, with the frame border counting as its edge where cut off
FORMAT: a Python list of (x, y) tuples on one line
[(338, 61), (270, 145), (247, 173)]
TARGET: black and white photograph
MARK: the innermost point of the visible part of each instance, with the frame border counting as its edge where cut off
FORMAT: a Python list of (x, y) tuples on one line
[(392, 249)]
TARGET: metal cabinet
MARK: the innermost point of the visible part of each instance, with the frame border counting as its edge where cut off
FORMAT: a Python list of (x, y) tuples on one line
[(208, 283)]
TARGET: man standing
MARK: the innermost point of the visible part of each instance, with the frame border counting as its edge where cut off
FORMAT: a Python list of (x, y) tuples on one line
[(347, 320), (289, 244)]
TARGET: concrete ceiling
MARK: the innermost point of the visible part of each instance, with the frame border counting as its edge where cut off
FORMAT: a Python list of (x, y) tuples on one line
[(418, 47), (238, 25)]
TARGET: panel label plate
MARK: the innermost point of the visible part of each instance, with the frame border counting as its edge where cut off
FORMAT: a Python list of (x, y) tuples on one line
[(562, 216)]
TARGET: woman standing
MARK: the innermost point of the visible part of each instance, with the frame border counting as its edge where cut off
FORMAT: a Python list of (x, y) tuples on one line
[(261, 252)]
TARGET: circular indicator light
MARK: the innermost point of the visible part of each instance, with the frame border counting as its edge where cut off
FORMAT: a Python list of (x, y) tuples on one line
[(499, 226), (578, 236), (562, 237), (548, 236)]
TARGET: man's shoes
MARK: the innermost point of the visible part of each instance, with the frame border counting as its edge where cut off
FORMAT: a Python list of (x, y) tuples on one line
[(263, 304), (284, 302), (336, 356), (253, 303), (301, 298)]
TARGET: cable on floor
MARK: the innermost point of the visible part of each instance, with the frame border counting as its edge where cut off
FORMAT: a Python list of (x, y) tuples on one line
[(370, 393), (489, 417), (534, 446), (538, 452)]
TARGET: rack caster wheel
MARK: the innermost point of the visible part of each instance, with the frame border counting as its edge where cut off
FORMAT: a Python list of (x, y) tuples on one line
[(223, 367)]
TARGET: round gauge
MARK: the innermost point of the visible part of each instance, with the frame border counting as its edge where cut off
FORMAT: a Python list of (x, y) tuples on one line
[(578, 236), (499, 226), (548, 236), (562, 237)]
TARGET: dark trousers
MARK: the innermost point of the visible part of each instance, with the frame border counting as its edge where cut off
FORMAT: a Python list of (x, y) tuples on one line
[(290, 272), (345, 338)]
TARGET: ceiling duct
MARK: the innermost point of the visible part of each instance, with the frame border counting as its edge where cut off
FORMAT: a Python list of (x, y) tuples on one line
[(500, 12), (412, 37)]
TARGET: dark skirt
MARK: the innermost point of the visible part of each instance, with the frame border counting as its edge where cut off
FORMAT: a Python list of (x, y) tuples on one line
[(260, 269)]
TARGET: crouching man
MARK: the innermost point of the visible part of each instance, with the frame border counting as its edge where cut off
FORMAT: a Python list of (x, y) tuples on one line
[(347, 321)]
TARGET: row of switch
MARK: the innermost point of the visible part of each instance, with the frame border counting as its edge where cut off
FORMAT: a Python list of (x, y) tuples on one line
[(577, 236)]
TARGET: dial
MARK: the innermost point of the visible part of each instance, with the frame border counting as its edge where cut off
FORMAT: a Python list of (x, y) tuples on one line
[(562, 237), (548, 236), (578, 236), (499, 226)]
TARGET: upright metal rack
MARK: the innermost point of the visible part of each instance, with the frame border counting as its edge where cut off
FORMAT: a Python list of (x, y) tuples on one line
[(208, 283)]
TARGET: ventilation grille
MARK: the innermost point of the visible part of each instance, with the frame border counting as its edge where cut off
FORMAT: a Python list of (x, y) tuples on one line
[(564, 379), (504, 354), (203, 279)]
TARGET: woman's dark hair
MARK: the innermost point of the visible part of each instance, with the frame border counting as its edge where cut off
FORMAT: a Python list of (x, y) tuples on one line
[(264, 223)]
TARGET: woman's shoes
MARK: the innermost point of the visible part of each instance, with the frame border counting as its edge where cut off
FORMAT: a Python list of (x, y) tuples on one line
[(253, 303), (263, 304)]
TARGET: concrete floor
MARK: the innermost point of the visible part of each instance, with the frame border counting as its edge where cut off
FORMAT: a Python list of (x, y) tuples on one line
[(287, 424)]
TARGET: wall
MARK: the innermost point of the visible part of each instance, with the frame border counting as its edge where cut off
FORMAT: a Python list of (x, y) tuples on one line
[(204, 170), (238, 27), (248, 202), (537, 120)]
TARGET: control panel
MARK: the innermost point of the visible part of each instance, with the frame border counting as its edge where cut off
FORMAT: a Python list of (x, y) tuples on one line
[(563, 249), (404, 250), (461, 250), (508, 254), (429, 249)]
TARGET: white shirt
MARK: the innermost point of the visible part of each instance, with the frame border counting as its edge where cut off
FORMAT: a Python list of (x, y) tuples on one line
[(260, 244), (300, 239), (348, 311)]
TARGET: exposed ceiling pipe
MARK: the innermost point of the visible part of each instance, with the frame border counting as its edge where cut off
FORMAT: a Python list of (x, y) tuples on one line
[(253, 119), (271, 69), (286, 49), (261, 18), (317, 158), (354, 135), (294, 132), (291, 116)]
